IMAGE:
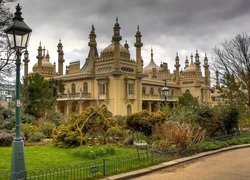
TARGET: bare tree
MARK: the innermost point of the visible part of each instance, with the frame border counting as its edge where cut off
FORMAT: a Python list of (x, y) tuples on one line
[(6, 56), (233, 63)]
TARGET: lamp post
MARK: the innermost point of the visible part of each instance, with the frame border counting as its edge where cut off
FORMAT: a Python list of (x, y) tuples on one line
[(165, 91), (18, 34)]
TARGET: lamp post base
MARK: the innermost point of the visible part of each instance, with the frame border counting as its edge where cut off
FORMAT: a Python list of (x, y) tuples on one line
[(17, 164)]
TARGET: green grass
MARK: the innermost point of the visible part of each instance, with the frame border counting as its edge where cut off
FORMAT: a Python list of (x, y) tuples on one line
[(42, 157)]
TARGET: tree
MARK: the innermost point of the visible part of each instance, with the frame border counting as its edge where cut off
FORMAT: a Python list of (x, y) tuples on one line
[(233, 62), (188, 100), (57, 86), (6, 62), (37, 96)]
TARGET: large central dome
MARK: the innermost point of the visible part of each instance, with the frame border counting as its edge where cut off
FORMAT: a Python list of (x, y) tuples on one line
[(109, 52)]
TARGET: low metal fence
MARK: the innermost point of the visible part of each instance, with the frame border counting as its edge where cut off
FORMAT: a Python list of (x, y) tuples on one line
[(91, 169)]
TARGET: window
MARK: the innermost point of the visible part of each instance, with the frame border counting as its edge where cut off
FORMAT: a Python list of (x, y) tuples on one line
[(73, 88), (159, 91), (129, 110), (85, 88), (130, 88), (151, 91), (143, 90), (102, 89)]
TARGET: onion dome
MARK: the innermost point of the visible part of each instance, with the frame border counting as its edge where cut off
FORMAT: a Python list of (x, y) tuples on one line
[(149, 68), (109, 52)]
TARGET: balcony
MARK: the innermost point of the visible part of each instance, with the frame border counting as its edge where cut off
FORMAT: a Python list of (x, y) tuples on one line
[(157, 97), (74, 96)]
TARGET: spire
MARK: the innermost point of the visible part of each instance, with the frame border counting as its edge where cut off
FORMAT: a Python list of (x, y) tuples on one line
[(47, 55), (59, 46), (138, 44), (192, 62), (206, 61), (92, 37), (197, 61), (152, 55), (186, 62), (116, 37), (44, 51), (177, 61), (92, 51)]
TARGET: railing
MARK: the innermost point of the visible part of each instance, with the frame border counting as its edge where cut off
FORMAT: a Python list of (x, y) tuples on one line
[(158, 97), (92, 169), (74, 95)]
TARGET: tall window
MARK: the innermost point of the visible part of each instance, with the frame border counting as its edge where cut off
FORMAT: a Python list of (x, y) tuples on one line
[(102, 89), (85, 87), (151, 91), (129, 110), (130, 88), (73, 88), (159, 91), (143, 90)]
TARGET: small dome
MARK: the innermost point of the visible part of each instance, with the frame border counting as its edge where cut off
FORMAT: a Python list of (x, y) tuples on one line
[(149, 68), (108, 52), (45, 63), (190, 68)]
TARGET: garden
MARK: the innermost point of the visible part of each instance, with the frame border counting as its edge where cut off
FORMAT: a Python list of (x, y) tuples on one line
[(95, 143)]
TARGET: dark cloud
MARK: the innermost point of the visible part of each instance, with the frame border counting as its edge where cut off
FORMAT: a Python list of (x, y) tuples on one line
[(167, 25)]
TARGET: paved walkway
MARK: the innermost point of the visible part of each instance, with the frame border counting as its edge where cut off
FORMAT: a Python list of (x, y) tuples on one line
[(230, 165)]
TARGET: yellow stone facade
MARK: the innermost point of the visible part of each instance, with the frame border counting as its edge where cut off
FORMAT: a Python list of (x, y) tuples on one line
[(114, 80)]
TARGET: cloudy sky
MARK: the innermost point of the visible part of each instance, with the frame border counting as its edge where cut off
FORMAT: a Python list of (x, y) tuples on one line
[(169, 26)]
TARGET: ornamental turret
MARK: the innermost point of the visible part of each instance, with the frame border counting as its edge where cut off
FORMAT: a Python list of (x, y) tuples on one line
[(138, 44)]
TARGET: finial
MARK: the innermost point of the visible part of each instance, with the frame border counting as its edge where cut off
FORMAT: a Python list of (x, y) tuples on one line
[(116, 19), (93, 27), (60, 40), (138, 28), (40, 44), (18, 13), (205, 54), (176, 53), (196, 51)]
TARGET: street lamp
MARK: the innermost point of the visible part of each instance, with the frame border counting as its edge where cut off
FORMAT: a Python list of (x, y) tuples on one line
[(165, 91), (18, 34)]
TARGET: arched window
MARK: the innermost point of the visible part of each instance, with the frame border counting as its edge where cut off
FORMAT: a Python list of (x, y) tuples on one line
[(159, 91), (73, 88), (85, 87), (129, 110), (143, 90), (151, 91)]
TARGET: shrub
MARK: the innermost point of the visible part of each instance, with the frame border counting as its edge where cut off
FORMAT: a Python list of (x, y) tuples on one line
[(180, 134), (65, 136), (31, 133), (47, 128), (6, 138), (144, 121), (56, 118)]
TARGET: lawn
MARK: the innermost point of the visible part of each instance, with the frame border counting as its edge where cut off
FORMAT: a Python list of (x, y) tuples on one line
[(42, 157)]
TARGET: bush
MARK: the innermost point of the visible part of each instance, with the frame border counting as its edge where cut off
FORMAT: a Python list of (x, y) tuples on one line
[(65, 136), (180, 134), (144, 121), (92, 152), (6, 138), (31, 133), (47, 128), (56, 118)]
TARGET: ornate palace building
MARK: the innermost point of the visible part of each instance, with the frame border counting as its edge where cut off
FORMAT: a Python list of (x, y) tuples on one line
[(114, 80)]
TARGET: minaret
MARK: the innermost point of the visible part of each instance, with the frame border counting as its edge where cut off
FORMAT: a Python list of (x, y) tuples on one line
[(39, 57), (197, 64), (26, 63), (92, 44), (177, 68), (116, 40), (138, 44), (60, 57), (217, 79), (186, 62), (207, 72)]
